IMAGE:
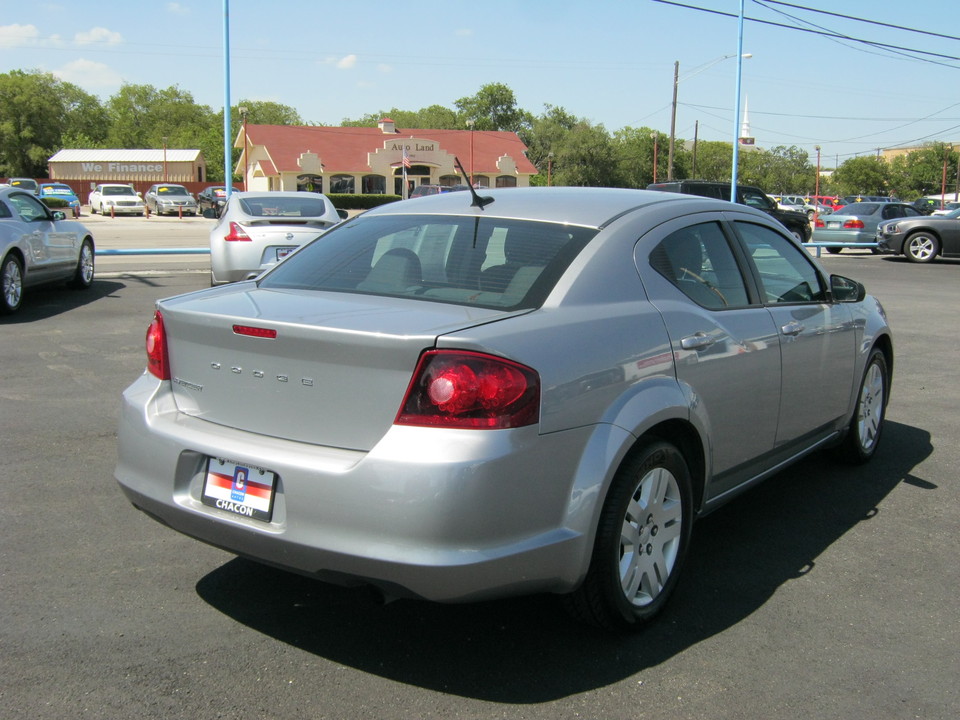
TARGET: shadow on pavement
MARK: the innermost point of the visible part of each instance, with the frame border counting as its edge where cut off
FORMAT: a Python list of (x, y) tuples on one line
[(40, 303), (526, 650)]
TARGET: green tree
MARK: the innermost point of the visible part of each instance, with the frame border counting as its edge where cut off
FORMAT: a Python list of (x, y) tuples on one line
[(713, 161), (587, 157), (866, 175), (435, 117), (36, 110), (635, 156), (921, 172), (494, 107)]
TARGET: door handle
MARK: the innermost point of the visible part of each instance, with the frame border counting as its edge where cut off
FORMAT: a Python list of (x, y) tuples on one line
[(697, 341), (792, 328)]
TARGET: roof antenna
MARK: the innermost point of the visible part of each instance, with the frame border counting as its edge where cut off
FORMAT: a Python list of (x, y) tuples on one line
[(478, 201)]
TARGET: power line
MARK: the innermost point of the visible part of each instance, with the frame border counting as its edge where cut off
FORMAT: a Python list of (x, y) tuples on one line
[(823, 33), (863, 20)]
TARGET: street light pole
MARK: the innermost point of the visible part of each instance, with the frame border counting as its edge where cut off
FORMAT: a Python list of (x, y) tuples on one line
[(736, 114), (470, 125), (164, 159), (673, 119), (816, 192), (549, 168), (653, 135), (243, 116)]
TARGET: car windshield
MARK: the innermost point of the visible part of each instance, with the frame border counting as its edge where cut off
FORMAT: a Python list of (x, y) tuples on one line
[(483, 262), (172, 190), (117, 190), (56, 190), (859, 208), (271, 206)]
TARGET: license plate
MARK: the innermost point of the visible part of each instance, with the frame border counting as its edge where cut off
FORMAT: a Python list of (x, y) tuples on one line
[(239, 488), (283, 252)]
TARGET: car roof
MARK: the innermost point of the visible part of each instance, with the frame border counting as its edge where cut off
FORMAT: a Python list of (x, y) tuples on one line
[(586, 207)]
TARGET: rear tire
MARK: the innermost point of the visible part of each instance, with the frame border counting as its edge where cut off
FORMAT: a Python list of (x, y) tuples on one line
[(642, 539), (834, 250)]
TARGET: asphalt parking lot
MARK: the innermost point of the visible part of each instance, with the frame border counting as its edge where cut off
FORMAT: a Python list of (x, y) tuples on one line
[(826, 592)]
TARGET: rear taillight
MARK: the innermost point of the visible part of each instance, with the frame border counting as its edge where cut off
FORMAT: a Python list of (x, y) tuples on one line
[(236, 234), (461, 389), (157, 361), (819, 223), (853, 224)]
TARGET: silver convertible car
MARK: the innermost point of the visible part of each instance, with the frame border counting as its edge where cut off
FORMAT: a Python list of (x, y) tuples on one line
[(37, 246), (538, 390)]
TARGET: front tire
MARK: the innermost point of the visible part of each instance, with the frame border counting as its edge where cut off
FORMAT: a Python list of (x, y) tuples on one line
[(83, 275), (834, 250), (866, 425), (642, 539), (11, 285), (921, 247)]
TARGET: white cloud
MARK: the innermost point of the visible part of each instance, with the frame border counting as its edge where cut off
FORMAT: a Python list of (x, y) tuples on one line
[(98, 35), (464, 32), (177, 9), (347, 63), (89, 75), (16, 36), (384, 68)]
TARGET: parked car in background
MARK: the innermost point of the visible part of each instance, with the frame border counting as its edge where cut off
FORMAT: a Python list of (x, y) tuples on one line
[(214, 197), (797, 223), (27, 184), (797, 203), (258, 229), (116, 199), (855, 225), (169, 199), (63, 192), (927, 205), (921, 239), (537, 392), (39, 245), (946, 209)]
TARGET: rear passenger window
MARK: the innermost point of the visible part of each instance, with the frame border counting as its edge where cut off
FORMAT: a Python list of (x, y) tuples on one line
[(699, 261)]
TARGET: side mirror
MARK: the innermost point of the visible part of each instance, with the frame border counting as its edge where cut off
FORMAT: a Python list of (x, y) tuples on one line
[(843, 289), (59, 215), (211, 213)]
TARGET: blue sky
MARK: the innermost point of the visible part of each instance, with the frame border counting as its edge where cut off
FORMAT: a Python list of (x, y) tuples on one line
[(610, 61)]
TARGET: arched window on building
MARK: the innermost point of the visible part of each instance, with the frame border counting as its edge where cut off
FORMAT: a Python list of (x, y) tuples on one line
[(481, 181), (373, 185), (450, 180), (310, 183), (506, 181), (342, 184)]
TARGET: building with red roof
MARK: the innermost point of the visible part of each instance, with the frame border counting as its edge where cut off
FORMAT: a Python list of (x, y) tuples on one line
[(365, 160)]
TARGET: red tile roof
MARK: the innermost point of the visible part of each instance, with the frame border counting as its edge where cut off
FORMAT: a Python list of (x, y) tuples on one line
[(345, 149)]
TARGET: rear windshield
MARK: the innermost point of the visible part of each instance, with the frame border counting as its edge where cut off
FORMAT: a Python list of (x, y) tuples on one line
[(309, 205), (859, 208), (485, 262)]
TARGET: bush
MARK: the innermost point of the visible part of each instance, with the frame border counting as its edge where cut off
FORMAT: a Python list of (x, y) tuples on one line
[(344, 201), (55, 203)]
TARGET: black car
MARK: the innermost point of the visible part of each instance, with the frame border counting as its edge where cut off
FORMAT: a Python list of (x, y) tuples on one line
[(796, 222), (213, 197), (921, 239)]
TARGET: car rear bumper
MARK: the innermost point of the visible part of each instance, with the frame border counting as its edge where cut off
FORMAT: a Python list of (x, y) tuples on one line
[(444, 515)]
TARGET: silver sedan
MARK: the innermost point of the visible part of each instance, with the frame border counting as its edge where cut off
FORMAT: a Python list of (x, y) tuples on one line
[(38, 245), (258, 229), (538, 390)]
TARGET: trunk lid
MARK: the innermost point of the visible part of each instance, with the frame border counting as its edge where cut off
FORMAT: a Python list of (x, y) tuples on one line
[(334, 375)]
